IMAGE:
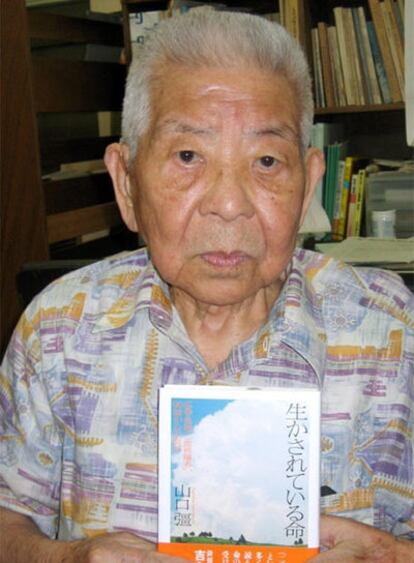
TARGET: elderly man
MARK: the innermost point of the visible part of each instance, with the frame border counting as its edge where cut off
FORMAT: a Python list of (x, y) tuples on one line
[(214, 172)]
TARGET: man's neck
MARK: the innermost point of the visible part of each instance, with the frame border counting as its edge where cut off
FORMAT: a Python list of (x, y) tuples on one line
[(216, 329)]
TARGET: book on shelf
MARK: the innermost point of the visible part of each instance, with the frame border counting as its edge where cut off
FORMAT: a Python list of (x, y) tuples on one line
[(366, 54), (399, 18), (295, 17), (362, 57), (351, 205), (317, 69), (337, 72), (239, 473), (384, 46), (335, 153), (336, 213), (351, 42), (325, 55), (345, 57), (322, 135), (394, 40), (351, 166), (379, 64), (354, 227)]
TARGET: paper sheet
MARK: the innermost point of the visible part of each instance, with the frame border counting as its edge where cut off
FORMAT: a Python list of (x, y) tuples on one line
[(316, 219), (358, 250)]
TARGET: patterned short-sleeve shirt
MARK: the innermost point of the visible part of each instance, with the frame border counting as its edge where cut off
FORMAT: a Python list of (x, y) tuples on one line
[(79, 389)]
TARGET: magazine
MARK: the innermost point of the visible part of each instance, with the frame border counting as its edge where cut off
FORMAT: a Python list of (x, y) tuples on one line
[(239, 473)]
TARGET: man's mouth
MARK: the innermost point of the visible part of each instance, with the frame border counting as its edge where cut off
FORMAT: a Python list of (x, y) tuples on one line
[(224, 259)]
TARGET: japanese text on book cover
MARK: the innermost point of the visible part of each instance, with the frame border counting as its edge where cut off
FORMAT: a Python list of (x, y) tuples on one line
[(239, 474)]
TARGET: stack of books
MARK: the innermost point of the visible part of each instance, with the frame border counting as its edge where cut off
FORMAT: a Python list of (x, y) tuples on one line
[(360, 60)]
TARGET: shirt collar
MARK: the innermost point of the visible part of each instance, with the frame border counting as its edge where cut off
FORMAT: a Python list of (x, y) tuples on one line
[(146, 292), (296, 318)]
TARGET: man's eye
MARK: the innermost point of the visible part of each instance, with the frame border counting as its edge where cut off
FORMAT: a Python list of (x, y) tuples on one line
[(267, 161), (186, 156)]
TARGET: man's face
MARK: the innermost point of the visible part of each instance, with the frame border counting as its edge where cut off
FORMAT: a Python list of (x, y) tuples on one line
[(219, 181)]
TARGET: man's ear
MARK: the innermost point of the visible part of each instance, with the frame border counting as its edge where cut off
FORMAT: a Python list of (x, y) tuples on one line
[(116, 161), (314, 170)]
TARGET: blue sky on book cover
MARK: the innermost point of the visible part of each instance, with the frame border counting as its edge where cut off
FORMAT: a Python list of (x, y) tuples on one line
[(233, 472)]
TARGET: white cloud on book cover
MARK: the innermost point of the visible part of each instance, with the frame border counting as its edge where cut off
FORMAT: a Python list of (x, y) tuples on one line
[(238, 473)]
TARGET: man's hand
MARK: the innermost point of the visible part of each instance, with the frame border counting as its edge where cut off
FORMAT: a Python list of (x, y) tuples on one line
[(351, 542), (116, 548), (21, 541)]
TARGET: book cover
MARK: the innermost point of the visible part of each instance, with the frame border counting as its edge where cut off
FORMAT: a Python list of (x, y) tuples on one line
[(338, 199), (352, 165), (351, 206), (344, 55), (326, 64), (335, 153), (359, 201), (352, 47), (239, 473), (337, 72), (395, 45), (317, 69), (368, 57), (363, 58), (379, 64), (322, 135), (378, 21)]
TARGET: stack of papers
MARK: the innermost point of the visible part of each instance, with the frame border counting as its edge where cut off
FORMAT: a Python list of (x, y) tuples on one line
[(392, 253)]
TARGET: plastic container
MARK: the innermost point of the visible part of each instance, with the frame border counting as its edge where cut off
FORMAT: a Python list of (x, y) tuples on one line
[(391, 190), (383, 223)]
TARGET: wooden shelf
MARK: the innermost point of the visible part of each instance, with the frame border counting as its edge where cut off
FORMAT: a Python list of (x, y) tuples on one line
[(361, 109)]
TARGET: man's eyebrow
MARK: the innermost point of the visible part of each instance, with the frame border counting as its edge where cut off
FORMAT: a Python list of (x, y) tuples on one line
[(175, 126), (283, 131)]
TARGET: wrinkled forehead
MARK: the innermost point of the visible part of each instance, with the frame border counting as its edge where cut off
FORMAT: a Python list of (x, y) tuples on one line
[(204, 100)]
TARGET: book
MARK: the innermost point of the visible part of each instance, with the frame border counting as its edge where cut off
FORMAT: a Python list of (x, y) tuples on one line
[(335, 153), (326, 64), (351, 206), (322, 135), (295, 17), (352, 163), (379, 65), (378, 22), (239, 473), (394, 41), (352, 47), (362, 57), (359, 202), (375, 93), (399, 19), (337, 198), (337, 73), (345, 56), (317, 69)]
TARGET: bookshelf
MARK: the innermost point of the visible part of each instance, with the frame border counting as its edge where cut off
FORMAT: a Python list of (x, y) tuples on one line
[(374, 129), (51, 111)]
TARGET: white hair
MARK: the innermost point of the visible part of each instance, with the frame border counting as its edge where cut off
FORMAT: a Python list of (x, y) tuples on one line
[(205, 37)]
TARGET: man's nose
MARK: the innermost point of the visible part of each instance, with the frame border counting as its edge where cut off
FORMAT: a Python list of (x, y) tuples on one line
[(228, 195)]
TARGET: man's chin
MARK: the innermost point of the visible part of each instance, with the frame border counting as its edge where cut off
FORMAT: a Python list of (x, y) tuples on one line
[(220, 291)]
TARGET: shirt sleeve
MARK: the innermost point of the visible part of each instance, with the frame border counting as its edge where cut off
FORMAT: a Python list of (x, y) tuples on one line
[(30, 439)]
